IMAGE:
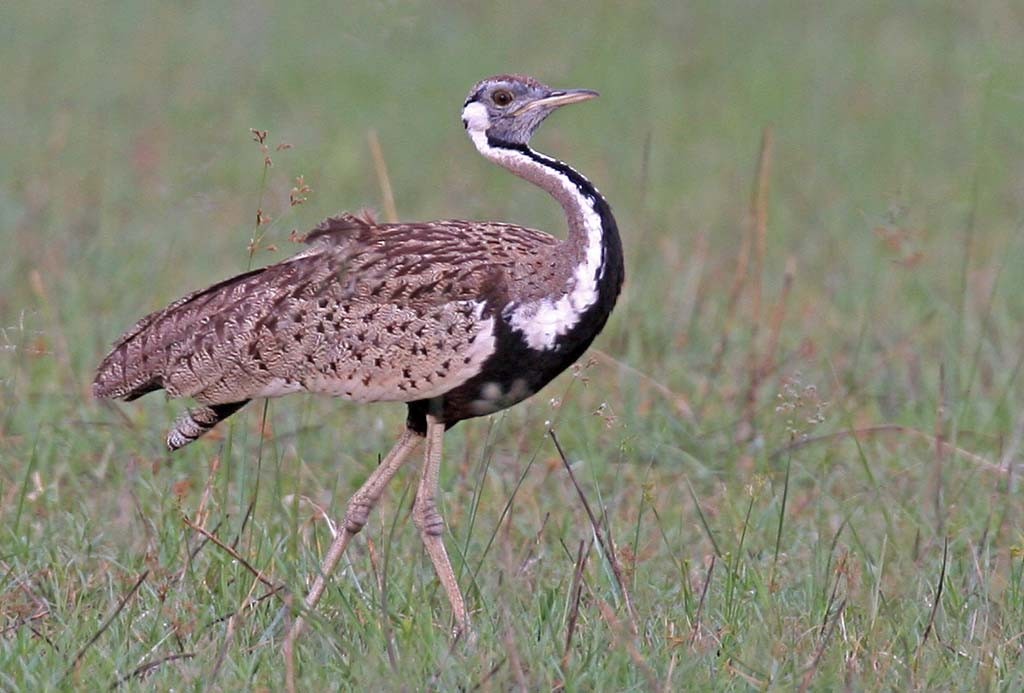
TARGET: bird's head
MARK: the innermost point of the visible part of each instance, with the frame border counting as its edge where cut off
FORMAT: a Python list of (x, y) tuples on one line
[(509, 108)]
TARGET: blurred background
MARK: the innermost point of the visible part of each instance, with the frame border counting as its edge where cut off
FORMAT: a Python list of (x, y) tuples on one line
[(811, 381)]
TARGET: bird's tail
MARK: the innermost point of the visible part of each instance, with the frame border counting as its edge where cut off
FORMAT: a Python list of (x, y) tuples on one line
[(138, 360), (198, 421), (133, 367)]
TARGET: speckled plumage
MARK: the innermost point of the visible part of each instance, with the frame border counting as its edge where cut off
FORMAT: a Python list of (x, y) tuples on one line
[(455, 318), (393, 312)]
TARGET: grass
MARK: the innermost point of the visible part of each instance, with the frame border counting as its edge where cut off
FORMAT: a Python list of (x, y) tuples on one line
[(800, 432)]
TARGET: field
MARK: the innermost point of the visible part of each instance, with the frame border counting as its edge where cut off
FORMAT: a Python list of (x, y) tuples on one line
[(800, 434)]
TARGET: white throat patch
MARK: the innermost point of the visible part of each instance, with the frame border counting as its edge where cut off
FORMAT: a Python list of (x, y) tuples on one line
[(474, 115), (543, 321)]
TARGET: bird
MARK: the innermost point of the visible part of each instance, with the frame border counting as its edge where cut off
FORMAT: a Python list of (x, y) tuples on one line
[(457, 319)]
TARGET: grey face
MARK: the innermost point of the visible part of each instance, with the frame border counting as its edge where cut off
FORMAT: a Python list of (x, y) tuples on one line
[(511, 107)]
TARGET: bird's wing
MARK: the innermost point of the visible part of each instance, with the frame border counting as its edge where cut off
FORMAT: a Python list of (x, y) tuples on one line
[(392, 312)]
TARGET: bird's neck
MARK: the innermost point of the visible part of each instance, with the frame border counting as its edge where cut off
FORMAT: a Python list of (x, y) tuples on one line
[(593, 248), (577, 195)]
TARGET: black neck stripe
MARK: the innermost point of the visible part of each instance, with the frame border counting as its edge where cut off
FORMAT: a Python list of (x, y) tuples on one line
[(585, 186), (610, 273)]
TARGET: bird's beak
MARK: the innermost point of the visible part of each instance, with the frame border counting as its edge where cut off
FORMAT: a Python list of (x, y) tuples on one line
[(558, 98)]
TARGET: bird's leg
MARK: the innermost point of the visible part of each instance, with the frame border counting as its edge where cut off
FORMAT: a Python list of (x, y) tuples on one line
[(431, 526), (359, 507)]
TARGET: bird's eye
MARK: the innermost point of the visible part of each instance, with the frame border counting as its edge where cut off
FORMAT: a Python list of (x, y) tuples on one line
[(502, 97)]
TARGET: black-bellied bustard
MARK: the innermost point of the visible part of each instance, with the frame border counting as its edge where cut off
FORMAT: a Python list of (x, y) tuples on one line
[(455, 318)]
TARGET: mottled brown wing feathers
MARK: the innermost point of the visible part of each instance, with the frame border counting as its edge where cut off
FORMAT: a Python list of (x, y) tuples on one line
[(134, 367), (396, 311), (195, 296)]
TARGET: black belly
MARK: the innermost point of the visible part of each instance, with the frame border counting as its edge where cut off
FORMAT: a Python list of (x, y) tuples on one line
[(511, 374)]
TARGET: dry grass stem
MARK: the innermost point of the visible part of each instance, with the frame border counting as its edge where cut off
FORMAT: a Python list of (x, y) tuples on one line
[(222, 651), (204, 499), (25, 620), (576, 594), (143, 670), (768, 360), (486, 680), (233, 553), (840, 571), (898, 429), (700, 603), (606, 545), (759, 370), (288, 647), (941, 450), (759, 215), (380, 166), (380, 574), (759, 231), (514, 659), (107, 623), (755, 236), (608, 614), (808, 677), (935, 602), (672, 660), (678, 401)]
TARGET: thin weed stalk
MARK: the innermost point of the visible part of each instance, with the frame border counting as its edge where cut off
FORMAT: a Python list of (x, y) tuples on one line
[(606, 547), (782, 520), (380, 166), (106, 624)]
